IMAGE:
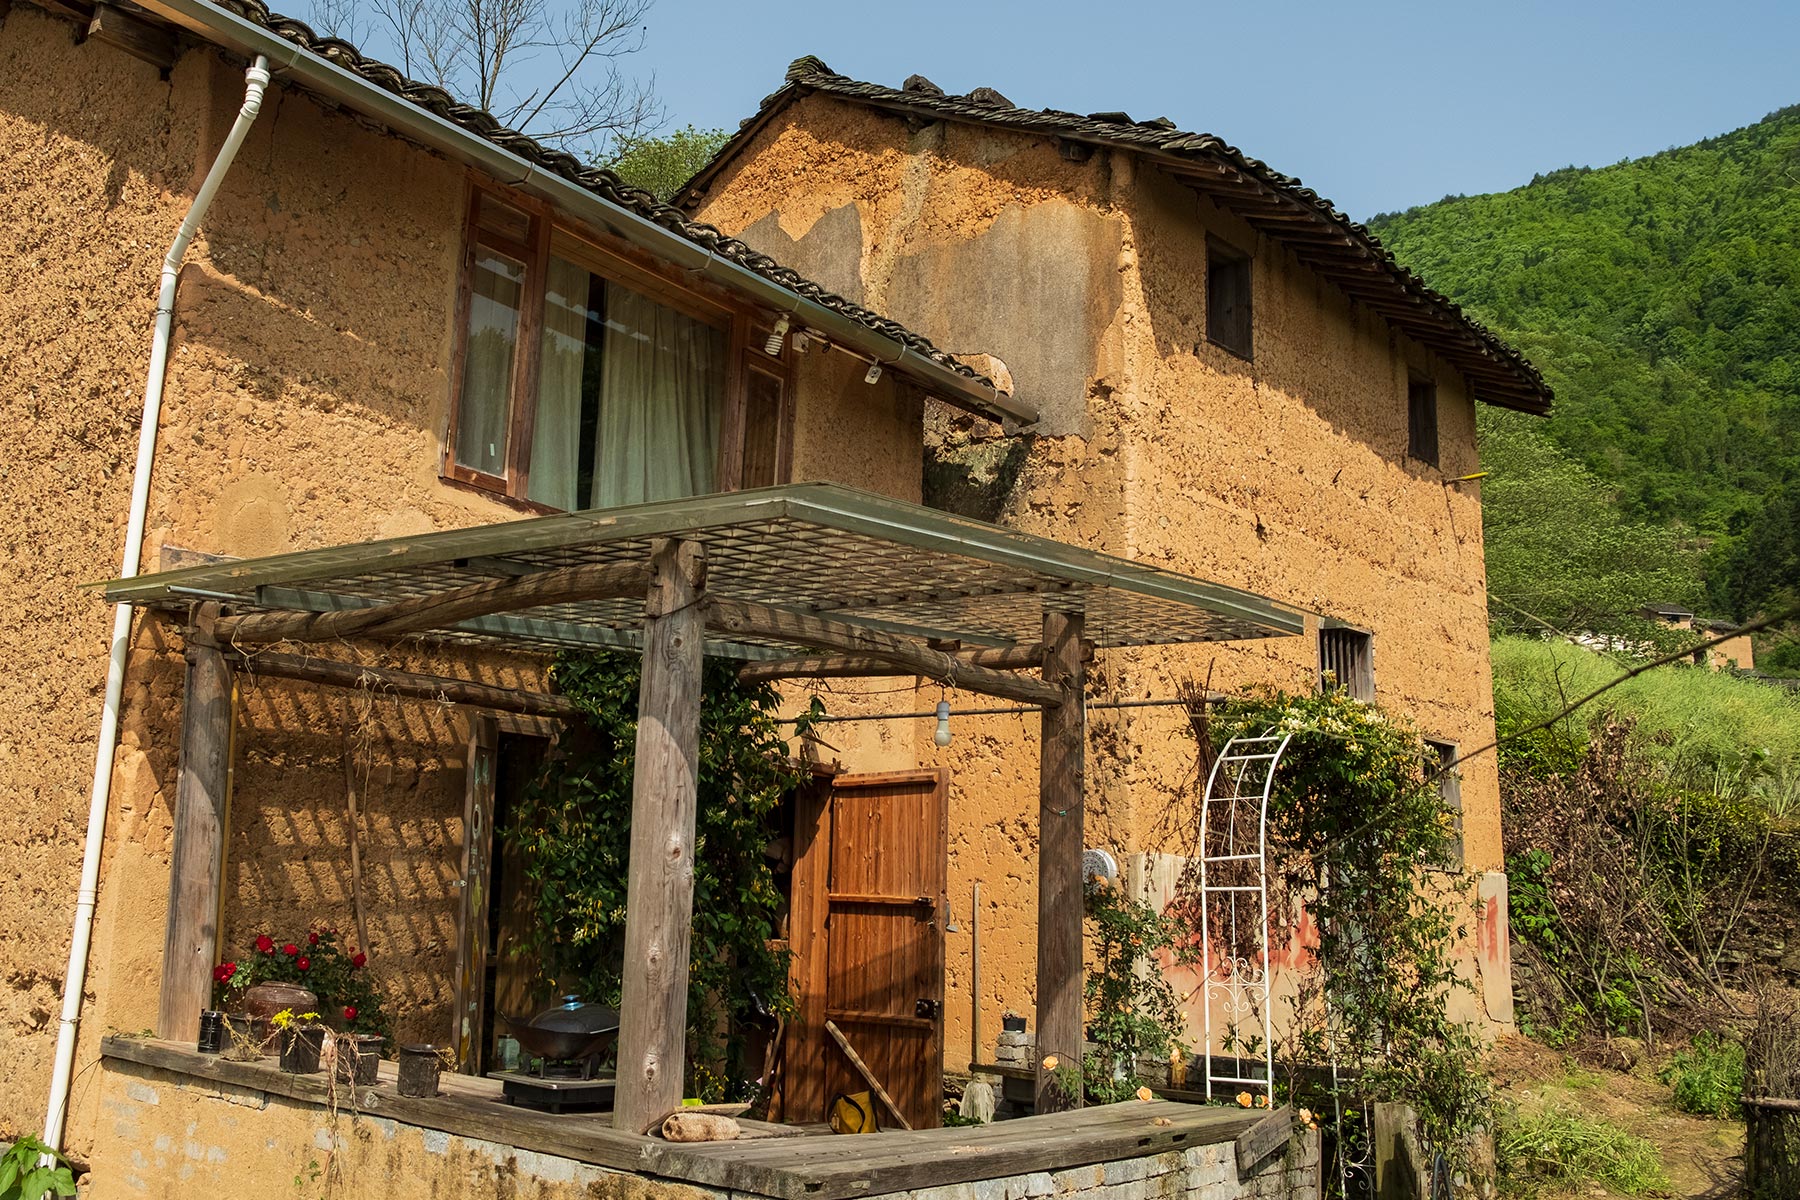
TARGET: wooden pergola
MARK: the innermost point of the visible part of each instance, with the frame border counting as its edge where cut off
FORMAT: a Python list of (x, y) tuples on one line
[(806, 580)]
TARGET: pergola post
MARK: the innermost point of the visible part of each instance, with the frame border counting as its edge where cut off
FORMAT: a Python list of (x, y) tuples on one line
[(1061, 773), (660, 890), (197, 853)]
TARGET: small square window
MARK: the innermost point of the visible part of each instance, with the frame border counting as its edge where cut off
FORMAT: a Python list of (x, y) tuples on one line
[(1422, 421), (1450, 788), (1347, 661), (1228, 297)]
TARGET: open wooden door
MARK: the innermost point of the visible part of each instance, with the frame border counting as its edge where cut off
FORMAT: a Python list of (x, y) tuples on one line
[(867, 928)]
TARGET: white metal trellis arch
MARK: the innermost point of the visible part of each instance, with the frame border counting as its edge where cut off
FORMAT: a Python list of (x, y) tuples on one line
[(1234, 830)]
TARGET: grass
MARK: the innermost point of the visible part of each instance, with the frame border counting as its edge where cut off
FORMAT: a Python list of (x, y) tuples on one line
[(1708, 1077), (1558, 1144), (1683, 714)]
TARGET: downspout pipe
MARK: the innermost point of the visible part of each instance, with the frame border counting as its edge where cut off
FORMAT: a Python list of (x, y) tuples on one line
[(256, 82)]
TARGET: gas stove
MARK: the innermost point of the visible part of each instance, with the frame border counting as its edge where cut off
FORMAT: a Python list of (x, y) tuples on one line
[(563, 1088)]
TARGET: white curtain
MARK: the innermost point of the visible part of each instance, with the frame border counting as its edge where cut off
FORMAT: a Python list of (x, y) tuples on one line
[(661, 398), (488, 362), (556, 436)]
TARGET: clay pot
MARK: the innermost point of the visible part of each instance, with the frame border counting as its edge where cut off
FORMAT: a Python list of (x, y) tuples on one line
[(419, 1067), (358, 1055), (266, 999), (300, 1047)]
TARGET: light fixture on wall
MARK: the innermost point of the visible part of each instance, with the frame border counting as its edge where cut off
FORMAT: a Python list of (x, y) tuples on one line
[(942, 734), (772, 347), (874, 372)]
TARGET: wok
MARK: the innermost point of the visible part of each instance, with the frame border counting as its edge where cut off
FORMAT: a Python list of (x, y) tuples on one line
[(570, 1030)]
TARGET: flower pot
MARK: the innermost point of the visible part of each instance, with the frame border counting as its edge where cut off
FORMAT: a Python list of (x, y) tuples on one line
[(266, 999), (358, 1055), (244, 1040), (419, 1067), (300, 1047)]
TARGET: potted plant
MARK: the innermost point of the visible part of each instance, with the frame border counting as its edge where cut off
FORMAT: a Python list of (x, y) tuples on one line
[(302, 1040), (312, 973)]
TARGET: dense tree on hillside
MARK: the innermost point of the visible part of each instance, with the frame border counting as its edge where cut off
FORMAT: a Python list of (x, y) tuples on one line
[(1661, 298)]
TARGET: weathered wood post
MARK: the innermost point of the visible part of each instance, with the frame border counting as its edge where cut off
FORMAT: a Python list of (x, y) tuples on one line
[(197, 854), (1061, 773), (659, 895)]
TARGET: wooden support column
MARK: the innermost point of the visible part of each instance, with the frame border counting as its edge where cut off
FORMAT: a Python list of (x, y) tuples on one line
[(659, 895), (196, 857), (1061, 774)]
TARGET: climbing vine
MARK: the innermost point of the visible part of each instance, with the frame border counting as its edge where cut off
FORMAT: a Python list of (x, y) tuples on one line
[(1359, 830), (1132, 1012), (573, 832)]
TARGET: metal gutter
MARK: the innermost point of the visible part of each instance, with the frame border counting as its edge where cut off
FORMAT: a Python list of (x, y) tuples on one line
[(227, 29)]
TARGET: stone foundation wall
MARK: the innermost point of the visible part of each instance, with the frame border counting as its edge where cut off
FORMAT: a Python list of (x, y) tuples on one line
[(164, 1134)]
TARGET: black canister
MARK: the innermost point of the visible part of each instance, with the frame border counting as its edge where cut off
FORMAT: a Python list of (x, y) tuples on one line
[(419, 1067), (212, 1032)]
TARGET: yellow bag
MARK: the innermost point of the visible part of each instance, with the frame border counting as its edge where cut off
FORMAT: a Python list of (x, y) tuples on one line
[(854, 1114)]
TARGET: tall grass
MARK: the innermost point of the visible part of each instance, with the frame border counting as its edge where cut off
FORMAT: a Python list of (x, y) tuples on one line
[(1560, 1145), (1737, 735)]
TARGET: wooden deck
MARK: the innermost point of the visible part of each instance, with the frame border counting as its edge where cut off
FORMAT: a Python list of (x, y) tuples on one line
[(790, 1168)]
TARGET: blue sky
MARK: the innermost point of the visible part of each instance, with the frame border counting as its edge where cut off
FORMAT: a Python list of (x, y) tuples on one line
[(1379, 106)]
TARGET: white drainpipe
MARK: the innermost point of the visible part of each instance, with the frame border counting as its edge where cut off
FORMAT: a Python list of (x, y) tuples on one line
[(256, 80)]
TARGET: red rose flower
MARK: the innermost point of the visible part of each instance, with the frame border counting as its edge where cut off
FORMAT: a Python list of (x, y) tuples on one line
[(224, 971), (312, 939), (290, 949), (359, 959), (349, 1012), (265, 943), (303, 962)]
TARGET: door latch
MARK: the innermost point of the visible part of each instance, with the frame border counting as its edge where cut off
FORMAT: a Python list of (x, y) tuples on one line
[(929, 1009)]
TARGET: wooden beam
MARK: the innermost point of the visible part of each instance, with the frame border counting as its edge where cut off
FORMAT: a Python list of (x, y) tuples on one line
[(331, 673), (1263, 1139), (909, 655), (835, 666), (560, 585), (151, 41), (1061, 781), (659, 893), (196, 854)]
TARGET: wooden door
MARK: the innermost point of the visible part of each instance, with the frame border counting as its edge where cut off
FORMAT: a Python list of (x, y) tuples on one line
[(868, 917)]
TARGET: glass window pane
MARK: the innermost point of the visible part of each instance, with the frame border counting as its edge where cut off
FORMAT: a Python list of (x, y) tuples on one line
[(562, 438), (489, 349), (497, 216), (762, 429)]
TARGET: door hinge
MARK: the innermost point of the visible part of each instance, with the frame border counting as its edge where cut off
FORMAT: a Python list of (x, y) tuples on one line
[(929, 1009)]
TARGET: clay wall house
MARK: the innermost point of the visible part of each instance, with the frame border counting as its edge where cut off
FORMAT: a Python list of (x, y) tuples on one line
[(1235, 380), (324, 387)]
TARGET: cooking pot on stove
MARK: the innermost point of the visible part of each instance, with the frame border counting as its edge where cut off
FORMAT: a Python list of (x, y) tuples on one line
[(573, 1029)]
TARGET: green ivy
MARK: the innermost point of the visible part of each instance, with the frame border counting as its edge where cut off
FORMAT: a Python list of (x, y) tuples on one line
[(1356, 818), (573, 832)]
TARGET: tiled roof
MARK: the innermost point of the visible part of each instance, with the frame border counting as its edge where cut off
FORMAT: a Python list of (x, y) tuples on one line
[(1277, 205), (598, 180)]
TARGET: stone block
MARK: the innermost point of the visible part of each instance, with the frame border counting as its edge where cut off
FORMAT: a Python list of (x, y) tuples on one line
[(1127, 1170), (1039, 1183), (989, 1189), (1079, 1179)]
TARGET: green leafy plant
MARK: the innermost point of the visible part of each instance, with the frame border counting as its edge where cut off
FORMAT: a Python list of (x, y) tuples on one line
[(1132, 1012), (1559, 1144), (24, 1177), (573, 832), (1356, 816), (1707, 1077), (348, 997)]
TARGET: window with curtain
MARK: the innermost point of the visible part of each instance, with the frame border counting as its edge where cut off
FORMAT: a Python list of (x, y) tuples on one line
[(580, 391)]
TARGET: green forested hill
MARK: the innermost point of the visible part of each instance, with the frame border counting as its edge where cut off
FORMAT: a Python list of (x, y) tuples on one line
[(1660, 297)]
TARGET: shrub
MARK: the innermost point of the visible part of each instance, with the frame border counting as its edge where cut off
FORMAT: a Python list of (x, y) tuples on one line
[(22, 1178), (1560, 1145), (1708, 1077)]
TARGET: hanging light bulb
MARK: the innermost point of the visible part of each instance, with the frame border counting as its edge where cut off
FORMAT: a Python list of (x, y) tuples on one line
[(772, 347), (942, 736)]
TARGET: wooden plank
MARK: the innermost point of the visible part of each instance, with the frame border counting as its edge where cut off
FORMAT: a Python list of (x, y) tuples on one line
[(153, 42), (1061, 784), (560, 585), (839, 666), (862, 1068), (804, 1055), (196, 855), (910, 654), (1263, 1139), (660, 890), (378, 680)]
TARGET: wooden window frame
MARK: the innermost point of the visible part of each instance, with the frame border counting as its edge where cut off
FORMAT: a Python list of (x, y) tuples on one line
[(746, 327), (1220, 255), (1422, 432), (1362, 687), (1450, 787)]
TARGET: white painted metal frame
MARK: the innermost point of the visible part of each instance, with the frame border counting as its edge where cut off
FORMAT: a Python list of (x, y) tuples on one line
[(1234, 829)]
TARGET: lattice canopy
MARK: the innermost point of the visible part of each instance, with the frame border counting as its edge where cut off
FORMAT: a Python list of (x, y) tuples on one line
[(815, 549)]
